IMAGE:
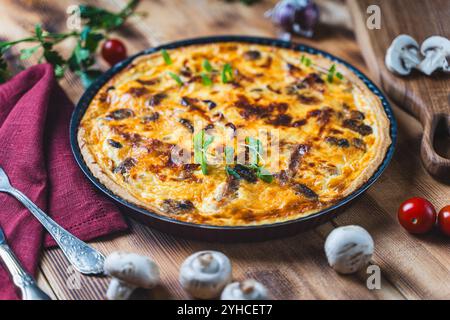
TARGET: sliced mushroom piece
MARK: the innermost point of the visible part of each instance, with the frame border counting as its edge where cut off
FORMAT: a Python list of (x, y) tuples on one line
[(129, 271), (125, 166), (204, 274), (252, 55), (114, 144), (177, 206), (187, 124), (246, 290), (120, 114), (403, 55), (436, 50), (301, 189)]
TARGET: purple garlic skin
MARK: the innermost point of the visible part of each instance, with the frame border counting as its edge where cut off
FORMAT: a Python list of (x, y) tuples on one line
[(295, 16)]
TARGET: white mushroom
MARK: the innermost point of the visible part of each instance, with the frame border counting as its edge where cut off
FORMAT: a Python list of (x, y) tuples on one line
[(349, 249), (246, 290), (403, 55), (204, 274), (436, 51), (129, 271)]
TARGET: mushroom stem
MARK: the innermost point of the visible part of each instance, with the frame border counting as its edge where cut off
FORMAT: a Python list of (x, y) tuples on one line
[(247, 287), (246, 290), (119, 290), (204, 274), (205, 259), (129, 271)]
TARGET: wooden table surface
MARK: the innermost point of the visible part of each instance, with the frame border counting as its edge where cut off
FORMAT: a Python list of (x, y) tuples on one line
[(293, 268)]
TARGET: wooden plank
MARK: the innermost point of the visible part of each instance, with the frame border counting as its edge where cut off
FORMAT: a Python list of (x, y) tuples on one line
[(289, 270), (43, 283), (418, 265), (425, 97)]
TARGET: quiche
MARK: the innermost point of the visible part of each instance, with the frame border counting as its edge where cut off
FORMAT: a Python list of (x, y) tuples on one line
[(233, 133)]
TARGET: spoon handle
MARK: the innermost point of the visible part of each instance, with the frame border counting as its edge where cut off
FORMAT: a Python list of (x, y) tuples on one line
[(22, 280), (83, 257)]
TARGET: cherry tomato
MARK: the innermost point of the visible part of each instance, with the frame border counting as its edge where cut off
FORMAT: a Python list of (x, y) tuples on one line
[(444, 220), (113, 51), (417, 215)]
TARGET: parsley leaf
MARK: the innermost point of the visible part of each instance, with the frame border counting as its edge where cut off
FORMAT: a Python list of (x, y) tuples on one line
[(255, 149), (201, 144), (306, 61), (87, 77), (175, 77), (331, 73), (166, 57), (227, 73), (206, 80), (207, 66), (99, 18), (229, 154), (198, 146), (27, 53), (264, 174), (230, 171), (97, 23)]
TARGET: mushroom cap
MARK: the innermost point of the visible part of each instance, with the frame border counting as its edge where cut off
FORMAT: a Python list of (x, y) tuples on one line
[(402, 55), (436, 50), (435, 43), (204, 274), (349, 249), (246, 290), (133, 269)]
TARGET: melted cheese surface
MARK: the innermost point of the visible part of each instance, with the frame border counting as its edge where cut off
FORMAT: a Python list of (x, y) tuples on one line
[(327, 133)]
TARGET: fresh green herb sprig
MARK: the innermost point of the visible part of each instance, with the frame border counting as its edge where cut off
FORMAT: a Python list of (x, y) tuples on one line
[(306, 61), (264, 174), (207, 66), (97, 23), (229, 159), (166, 57), (227, 73), (176, 77), (201, 143), (255, 148), (206, 78), (332, 73)]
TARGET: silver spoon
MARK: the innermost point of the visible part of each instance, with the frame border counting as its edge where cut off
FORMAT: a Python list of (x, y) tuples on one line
[(22, 280), (83, 257)]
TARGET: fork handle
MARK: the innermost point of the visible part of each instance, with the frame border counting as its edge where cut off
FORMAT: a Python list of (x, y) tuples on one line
[(22, 280), (83, 257)]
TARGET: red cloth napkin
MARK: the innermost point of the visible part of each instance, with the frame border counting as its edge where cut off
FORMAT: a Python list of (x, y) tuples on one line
[(35, 153)]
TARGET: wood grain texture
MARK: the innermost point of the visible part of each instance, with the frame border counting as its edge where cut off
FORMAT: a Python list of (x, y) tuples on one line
[(427, 98), (292, 268)]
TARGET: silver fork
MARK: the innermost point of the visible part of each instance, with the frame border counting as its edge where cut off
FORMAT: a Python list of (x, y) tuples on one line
[(83, 257), (22, 280)]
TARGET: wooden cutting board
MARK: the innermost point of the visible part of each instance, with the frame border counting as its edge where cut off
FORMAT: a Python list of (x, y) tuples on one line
[(427, 98)]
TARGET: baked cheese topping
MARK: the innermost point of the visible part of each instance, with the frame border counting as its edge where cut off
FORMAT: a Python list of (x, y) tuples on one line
[(322, 132)]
